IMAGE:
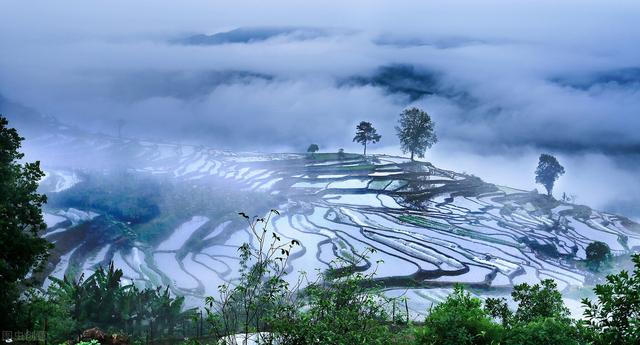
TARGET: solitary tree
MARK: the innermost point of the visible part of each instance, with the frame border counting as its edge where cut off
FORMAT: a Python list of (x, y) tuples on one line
[(20, 220), (313, 148), (548, 171), (365, 133), (597, 253), (416, 132)]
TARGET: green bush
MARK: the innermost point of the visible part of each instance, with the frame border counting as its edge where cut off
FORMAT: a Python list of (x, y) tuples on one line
[(540, 317), (460, 319), (543, 331), (615, 317)]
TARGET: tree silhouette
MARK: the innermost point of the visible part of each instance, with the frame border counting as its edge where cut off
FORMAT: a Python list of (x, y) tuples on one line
[(366, 133), (416, 132), (597, 252), (312, 149), (548, 171)]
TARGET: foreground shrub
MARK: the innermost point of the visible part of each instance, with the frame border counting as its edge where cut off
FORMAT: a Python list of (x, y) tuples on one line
[(460, 319), (102, 300), (543, 331), (342, 307), (536, 301), (615, 317), (540, 317), (251, 302)]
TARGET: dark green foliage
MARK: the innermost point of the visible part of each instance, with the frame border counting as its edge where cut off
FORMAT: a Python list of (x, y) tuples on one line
[(597, 253), (103, 301), (40, 311), (543, 331), (366, 133), (416, 132), (540, 318), (615, 317), (548, 171), (21, 249), (538, 301), (461, 320), (313, 148), (498, 309)]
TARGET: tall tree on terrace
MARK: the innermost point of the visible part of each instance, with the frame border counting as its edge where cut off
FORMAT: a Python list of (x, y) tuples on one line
[(416, 132), (548, 172), (21, 249), (312, 149), (366, 133)]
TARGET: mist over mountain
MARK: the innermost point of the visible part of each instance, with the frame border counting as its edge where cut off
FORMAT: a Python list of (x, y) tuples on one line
[(503, 83), (247, 151), (252, 35)]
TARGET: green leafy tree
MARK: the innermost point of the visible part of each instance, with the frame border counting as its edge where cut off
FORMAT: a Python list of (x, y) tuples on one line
[(615, 317), (534, 301), (312, 149), (540, 318), (548, 171), (539, 301), (597, 253), (22, 250), (42, 311), (366, 133), (416, 132), (460, 319), (543, 331), (341, 154)]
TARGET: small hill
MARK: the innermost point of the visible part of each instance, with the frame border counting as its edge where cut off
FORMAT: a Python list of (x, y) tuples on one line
[(167, 214)]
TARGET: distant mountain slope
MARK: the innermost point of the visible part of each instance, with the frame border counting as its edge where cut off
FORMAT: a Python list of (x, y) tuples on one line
[(30, 122), (252, 35)]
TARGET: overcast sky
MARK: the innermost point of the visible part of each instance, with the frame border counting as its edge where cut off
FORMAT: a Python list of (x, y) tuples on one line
[(503, 80)]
